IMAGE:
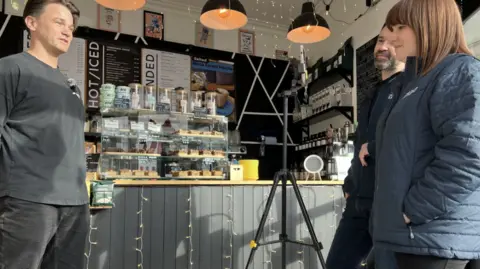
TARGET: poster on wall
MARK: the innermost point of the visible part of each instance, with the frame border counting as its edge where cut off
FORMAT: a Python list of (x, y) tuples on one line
[(108, 19), (13, 7), (367, 75), (110, 63), (216, 76), (246, 42), (72, 63), (153, 24), (203, 36)]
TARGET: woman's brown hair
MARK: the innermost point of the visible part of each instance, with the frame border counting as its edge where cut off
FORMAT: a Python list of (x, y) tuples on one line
[(437, 25)]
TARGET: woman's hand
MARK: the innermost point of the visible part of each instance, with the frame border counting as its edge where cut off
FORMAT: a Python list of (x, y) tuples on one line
[(407, 220)]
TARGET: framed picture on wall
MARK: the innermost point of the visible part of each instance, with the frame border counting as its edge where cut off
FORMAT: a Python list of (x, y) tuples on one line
[(246, 42), (108, 19), (153, 25), (203, 36)]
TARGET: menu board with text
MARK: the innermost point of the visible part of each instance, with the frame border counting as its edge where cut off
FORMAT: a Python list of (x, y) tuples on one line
[(165, 69), (109, 63)]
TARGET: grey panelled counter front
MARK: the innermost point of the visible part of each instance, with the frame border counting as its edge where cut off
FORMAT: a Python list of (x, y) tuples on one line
[(207, 225)]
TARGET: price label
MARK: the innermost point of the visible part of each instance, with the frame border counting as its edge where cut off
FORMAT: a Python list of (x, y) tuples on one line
[(200, 112), (154, 127), (137, 126), (162, 108), (110, 124)]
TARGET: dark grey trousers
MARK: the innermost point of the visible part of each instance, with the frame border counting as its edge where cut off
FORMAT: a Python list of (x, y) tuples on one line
[(34, 235), (409, 261)]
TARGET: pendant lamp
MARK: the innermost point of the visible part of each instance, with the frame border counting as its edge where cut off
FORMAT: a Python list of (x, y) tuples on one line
[(223, 15), (122, 4), (309, 27)]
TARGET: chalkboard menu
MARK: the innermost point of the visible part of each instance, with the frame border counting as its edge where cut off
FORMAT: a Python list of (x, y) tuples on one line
[(108, 63), (367, 75)]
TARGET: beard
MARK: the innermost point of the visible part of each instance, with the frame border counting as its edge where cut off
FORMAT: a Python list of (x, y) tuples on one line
[(385, 64)]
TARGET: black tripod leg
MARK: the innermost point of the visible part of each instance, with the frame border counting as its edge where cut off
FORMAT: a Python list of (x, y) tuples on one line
[(317, 245), (253, 243)]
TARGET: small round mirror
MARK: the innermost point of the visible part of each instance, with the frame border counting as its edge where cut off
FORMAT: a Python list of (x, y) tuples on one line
[(313, 164)]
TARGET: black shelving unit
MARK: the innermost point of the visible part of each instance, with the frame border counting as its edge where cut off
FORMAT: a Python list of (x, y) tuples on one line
[(346, 111)]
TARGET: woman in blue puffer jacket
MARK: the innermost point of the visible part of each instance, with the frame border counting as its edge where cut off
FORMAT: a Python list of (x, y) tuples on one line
[(427, 199)]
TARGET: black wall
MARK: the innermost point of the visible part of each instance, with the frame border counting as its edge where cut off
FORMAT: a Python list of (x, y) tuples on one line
[(251, 126)]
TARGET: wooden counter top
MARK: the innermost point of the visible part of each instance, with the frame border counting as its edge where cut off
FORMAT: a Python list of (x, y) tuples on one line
[(214, 183)]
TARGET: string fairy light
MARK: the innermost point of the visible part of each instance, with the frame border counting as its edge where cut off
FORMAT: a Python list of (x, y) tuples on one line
[(334, 213), (303, 227), (190, 229), (231, 225), (267, 253), (139, 237), (90, 242)]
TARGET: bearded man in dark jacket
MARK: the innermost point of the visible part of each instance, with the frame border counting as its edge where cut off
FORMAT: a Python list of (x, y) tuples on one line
[(353, 241)]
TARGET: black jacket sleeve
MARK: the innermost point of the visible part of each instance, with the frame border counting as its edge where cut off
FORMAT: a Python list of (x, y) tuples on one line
[(349, 182)]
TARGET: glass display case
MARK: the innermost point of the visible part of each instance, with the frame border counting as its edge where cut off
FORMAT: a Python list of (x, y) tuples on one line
[(145, 144)]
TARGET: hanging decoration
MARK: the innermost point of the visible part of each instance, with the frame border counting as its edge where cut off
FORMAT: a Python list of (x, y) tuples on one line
[(229, 256), (91, 243), (309, 27), (122, 4), (141, 228), (190, 229), (223, 15)]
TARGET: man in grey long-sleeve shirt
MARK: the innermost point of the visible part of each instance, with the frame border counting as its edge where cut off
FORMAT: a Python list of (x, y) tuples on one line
[(43, 198)]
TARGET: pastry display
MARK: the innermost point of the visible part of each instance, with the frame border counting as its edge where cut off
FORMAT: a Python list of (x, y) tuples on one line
[(194, 152), (110, 173), (194, 173), (219, 153), (125, 172), (151, 173), (138, 173), (206, 153), (145, 142), (199, 133)]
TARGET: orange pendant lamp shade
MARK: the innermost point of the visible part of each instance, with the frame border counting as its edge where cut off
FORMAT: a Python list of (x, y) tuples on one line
[(122, 4), (223, 15), (309, 27)]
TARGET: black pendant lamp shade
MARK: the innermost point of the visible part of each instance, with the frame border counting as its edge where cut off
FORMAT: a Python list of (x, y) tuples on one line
[(223, 15), (309, 27)]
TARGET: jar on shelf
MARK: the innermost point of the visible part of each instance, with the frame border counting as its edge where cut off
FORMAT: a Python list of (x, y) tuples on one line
[(150, 93), (182, 100), (196, 98), (211, 102), (164, 99), (107, 95), (122, 97), (137, 96)]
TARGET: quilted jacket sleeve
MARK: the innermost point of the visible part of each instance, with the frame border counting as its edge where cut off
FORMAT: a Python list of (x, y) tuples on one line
[(454, 173)]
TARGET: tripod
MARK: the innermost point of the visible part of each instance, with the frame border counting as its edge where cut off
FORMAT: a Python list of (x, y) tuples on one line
[(284, 175)]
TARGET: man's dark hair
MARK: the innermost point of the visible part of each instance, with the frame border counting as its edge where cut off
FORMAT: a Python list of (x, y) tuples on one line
[(35, 8)]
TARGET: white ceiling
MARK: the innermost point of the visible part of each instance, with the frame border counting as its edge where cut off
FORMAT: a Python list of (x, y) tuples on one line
[(281, 12), (472, 33)]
